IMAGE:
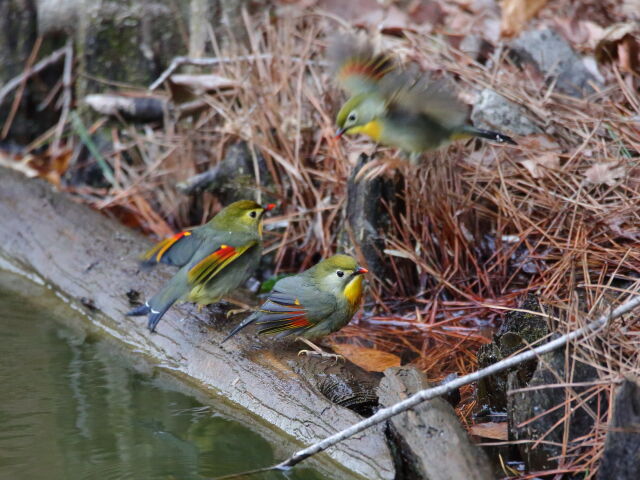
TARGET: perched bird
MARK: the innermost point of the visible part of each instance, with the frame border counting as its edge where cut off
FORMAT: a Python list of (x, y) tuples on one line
[(397, 107), (215, 259), (312, 304)]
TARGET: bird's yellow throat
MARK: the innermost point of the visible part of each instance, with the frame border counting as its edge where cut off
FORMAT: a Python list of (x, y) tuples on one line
[(372, 129), (353, 291)]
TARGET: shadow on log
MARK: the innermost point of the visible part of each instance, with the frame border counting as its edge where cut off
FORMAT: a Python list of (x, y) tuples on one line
[(91, 260)]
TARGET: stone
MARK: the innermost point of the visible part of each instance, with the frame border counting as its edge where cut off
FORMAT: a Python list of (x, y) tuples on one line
[(429, 442), (492, 111), (554, 58)]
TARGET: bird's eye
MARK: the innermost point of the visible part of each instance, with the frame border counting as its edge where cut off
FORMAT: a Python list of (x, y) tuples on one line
[(352, 117), (340, 273), (253, 214)]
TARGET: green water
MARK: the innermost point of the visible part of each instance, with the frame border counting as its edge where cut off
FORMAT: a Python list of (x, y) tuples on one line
[(72, 407)]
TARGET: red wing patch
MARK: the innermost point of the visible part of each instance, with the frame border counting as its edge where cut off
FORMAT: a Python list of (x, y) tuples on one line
[(374, 68)]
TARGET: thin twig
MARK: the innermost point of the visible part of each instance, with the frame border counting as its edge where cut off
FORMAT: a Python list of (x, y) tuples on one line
[(55, 57), (429, 393), (66, 95), (177, 62)]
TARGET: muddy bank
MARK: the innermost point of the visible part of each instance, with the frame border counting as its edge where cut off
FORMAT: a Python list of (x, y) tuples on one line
[(91, 259)]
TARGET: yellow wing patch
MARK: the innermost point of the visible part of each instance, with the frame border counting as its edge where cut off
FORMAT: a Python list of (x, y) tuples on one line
[(159, 249), (210, 266)]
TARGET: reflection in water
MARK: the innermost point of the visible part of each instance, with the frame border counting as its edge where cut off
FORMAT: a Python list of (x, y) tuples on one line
[(71, 409)]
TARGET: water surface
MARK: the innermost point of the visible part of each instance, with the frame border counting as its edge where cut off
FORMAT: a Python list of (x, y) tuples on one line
[(73, 407)]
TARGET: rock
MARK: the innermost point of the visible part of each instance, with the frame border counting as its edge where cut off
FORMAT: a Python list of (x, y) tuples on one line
[(517, 328), (429, 435), (621, 458), (492, 111), (367, 218), (125, 41), (525, 405), (555, 60), (232, 179)]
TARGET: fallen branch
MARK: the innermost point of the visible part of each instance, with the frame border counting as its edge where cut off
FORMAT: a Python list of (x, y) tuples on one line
[(177, 62), (428, 394), (66, 95), (55, 57), (202, 62)]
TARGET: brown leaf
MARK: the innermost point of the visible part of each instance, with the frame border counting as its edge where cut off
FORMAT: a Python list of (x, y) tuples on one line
[(367, 358), (620, 42), (537, 166), (516, 13), (494, 430), (600, 173)]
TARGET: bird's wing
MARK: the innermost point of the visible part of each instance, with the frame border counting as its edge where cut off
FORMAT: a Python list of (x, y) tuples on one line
[(293, 307), (416, 93), (207, 268), (356, 65), (176, 250)]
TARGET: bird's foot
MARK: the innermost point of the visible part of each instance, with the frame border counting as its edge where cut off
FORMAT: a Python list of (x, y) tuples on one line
[(324, 355), (242, 307), (236, 311), (318, 352)]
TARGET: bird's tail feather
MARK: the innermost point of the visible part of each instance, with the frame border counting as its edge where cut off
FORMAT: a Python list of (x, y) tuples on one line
[(155, 308), (497, 137), (247, 321), (139, 311)]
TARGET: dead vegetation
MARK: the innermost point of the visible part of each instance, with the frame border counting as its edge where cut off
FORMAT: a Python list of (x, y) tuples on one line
[(474, 228)]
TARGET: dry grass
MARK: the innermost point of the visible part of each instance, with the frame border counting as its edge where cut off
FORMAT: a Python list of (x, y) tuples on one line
[(476, 225)]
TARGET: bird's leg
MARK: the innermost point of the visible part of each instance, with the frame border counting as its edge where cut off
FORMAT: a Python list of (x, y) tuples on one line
[(243, 307), (317, 351)]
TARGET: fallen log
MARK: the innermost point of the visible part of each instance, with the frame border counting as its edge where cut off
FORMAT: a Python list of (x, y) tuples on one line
[(91, 260)]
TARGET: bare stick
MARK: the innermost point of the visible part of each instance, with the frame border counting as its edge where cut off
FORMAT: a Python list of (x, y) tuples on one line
[(66, 95), (37, 68), (177, 62), (429, 393), (202, 62)]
